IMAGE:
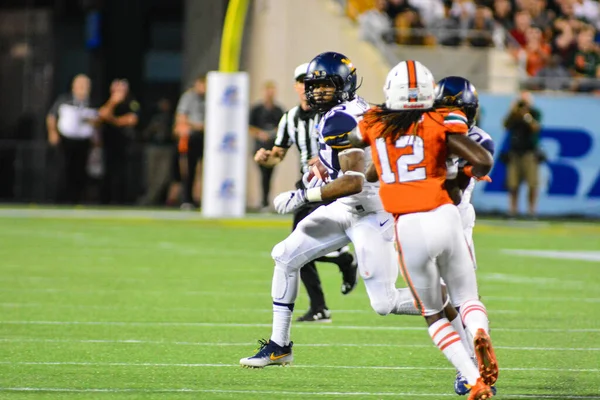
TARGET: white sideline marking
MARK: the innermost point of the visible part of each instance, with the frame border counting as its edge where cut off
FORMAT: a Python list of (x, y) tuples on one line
[(296, 326), (277, 392), (593, 256), (243, 344), (192, 365)]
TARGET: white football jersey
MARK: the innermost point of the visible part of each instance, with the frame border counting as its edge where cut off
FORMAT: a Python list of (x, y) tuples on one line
[(453, 164), (334, 129)]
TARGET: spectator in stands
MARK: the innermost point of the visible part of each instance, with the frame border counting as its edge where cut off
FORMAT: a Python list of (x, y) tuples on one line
[(586, 61), (159, 152), (397, 7), (411, 31), (567, 12), (553, 76), (446, 30), (523, 126), (563, 43), (537, 52), (503, 14), (119, 116), (522, 23), (587, 10), (463, 9), (541, 17), (481, 28), (375, 24), (70, 124), (430, 11), (189, 129), (264, 119)]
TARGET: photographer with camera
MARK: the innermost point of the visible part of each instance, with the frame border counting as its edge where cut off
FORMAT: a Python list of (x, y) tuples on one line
[(523, 157)]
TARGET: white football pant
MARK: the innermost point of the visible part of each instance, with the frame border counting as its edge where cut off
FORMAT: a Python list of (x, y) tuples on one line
[(467, 215), (432, 246), (333, 226)]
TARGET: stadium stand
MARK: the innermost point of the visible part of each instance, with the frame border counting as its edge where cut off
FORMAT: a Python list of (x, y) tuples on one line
[(553, 43)]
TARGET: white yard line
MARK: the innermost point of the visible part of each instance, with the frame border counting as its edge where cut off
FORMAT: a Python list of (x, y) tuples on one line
[(266, 294), (190, 309), (277, 392), (243, 344), (193, 365), (593, 256), (296, 326), (531, 280)]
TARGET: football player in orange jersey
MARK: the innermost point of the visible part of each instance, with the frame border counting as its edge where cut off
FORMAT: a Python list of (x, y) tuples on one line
[(410, 142)]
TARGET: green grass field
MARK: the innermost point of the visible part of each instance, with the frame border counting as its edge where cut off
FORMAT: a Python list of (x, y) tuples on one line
[(133, 307)]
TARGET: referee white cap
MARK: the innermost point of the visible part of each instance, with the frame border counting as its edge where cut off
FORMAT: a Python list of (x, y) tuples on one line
[(300, 71)]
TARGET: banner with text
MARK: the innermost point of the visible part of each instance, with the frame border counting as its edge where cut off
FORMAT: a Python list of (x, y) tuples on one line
[(225, 145), (570, 138)]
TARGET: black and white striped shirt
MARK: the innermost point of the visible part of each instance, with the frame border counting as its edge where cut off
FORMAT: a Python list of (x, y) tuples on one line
[(297, 126)]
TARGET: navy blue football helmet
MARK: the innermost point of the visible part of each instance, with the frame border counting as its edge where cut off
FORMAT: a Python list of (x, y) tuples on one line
[(335, 69), (454, 91)]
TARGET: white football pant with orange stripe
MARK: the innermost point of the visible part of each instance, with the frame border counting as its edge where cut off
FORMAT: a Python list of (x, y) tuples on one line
[(432, 246)]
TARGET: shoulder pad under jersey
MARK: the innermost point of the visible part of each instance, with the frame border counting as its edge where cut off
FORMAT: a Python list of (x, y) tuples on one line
[(482, 137)]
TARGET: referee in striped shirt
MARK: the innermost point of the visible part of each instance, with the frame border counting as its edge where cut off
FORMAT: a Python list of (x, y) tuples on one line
[(297, 127)]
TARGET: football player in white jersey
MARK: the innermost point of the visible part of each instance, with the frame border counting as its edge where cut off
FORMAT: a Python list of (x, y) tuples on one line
[(356, 216), (455, 91)]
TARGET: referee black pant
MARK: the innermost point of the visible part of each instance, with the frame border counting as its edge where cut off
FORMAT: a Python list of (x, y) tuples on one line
[(75, 153), (308, 273)]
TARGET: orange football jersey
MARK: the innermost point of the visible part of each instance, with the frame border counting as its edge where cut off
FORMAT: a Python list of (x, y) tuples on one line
[(412, 171)]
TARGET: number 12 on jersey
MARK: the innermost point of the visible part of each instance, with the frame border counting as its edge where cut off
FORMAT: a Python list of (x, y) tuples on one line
[(404, 162)]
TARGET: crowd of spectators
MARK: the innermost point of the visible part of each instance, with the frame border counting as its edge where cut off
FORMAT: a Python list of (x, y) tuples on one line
[(554, 42)]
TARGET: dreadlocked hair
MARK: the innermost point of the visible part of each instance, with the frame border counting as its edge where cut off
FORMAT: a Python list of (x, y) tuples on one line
[(396, 123)]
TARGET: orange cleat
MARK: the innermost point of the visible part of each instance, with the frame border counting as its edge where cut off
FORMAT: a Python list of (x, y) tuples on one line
[(486, 358), (480, 391)]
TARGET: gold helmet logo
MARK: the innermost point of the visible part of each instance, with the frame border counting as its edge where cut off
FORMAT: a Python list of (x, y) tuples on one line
[(348, 63)]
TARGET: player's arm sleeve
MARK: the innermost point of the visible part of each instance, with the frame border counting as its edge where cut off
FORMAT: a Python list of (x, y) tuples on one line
[(456, 122), (283, 138), (336, 131)]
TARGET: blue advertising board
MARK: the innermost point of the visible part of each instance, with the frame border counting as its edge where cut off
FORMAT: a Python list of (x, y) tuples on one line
[(570, 138)]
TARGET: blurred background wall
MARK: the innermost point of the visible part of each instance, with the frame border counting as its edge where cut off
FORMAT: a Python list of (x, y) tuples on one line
[(161, 46)]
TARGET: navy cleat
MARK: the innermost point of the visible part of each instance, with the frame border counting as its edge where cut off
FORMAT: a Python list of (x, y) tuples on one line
[(461, 386), (269, 353)]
